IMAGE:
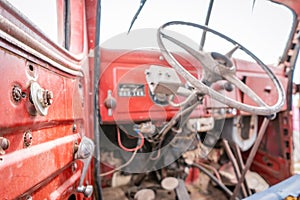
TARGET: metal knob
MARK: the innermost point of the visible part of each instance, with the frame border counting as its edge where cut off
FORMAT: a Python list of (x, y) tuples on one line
[(4, 145), (40, 98), (87, 191), (110, 102)]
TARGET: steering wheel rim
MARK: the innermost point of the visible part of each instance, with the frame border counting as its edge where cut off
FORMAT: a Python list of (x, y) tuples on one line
[(262, 109)]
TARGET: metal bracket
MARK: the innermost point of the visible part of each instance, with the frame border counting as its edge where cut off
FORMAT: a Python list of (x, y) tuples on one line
[(162, 80), (235, 130)]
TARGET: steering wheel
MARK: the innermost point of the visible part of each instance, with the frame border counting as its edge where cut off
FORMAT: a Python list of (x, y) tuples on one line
[(219, 67)]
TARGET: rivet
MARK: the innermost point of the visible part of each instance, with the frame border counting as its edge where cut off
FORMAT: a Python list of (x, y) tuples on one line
[(4, 143), (16, 93), (27, 138), (74, 128), (28, 197)]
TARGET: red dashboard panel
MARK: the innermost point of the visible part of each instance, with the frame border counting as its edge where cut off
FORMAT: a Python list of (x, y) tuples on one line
[(264, 87), (260, 83), (123, 72)]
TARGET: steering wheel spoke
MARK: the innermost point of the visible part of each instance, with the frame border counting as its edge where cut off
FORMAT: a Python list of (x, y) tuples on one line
[(205, 59), (232, 51), (245, 89)]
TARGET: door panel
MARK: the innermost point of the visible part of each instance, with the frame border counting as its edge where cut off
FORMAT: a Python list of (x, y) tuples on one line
[(38, 148)]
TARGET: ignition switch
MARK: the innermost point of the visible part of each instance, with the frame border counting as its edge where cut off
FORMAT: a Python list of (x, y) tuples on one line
[(40, 98)]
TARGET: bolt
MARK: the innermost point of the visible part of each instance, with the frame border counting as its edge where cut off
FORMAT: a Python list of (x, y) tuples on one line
[(74, 128), (228, 87), (234, 111), (4, 143), (27, 139), (17, 93), (28, 197), (86, 190), (45, 97), (49, 97)]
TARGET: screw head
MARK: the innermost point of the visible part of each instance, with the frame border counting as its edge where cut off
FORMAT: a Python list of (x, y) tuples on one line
[(17, 93), (27, 139), (74, 128), (4, 143), (28, 197)]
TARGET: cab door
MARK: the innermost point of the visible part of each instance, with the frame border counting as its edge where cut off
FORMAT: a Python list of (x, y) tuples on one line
[(43, 104)]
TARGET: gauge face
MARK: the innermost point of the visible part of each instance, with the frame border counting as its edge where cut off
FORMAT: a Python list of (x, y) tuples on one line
[(131, 90)]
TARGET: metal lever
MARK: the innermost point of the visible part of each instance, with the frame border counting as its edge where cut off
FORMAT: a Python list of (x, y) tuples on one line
[(85, 153)]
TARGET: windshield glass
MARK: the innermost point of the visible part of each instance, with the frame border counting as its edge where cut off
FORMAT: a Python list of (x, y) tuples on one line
[(261, 26)]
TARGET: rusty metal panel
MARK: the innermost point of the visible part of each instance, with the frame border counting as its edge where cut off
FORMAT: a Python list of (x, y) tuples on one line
[(36, 150), (41, 148)]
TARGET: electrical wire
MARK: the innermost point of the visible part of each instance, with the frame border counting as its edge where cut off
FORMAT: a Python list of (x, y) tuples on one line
[(173, 121), (213, 169), (169, 125), (132, 149), (157, 153), (121, 166)]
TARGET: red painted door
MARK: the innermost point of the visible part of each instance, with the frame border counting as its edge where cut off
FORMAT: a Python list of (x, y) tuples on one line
[(43, 105)]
